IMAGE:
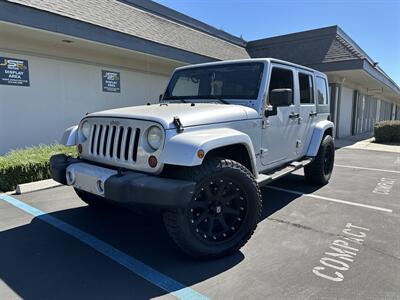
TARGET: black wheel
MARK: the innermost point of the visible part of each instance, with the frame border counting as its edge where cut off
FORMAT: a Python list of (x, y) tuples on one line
[(91, 199), (223, 213), (320, 170)]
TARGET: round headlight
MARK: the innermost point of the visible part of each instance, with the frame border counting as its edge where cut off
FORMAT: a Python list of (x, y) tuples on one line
[(85, 129), (154, 137)]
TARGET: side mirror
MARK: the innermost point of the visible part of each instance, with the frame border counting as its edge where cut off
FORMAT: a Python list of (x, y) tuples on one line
[(280, 97)]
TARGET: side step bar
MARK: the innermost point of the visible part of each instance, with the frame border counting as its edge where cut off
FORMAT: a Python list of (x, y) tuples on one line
[(278, 173)]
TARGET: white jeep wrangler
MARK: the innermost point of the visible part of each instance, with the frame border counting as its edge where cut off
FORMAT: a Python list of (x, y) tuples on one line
[(220, 131)]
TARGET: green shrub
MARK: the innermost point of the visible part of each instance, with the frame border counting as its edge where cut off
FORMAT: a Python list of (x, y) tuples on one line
[(387, 131), (29, 164)]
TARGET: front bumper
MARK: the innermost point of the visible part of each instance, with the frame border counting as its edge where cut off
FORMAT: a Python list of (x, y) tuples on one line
[(126, 187)]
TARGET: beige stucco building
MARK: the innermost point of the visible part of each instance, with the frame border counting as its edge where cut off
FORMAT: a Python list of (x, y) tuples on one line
[(62, 49)]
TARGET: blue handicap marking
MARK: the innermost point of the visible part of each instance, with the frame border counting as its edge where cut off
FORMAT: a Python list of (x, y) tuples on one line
[(136, 266)]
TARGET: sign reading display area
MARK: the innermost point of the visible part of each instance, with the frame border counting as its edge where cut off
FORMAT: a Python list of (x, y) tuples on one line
[(14, 71), (111, 81)]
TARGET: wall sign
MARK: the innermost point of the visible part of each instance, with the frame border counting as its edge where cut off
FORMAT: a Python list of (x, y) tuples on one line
[(14, 71), (111, 81)]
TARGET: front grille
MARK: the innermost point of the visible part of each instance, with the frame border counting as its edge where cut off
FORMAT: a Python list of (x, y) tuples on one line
[(114, 142)]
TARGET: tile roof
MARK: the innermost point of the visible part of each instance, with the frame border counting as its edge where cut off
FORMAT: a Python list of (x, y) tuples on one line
[(124, 18), (340, 49)]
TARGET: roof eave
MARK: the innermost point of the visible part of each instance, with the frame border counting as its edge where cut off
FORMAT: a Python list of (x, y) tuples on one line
[(171, 14), (358, 64), (43, 20), (372, 71)]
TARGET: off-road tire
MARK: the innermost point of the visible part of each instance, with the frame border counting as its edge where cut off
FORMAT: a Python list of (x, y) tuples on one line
[(91, 199), (230, 177), (320, 170)]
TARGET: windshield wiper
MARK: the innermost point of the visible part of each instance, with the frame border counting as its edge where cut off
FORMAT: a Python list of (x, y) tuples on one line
[(216, 97), (175, 98), (197, 98)]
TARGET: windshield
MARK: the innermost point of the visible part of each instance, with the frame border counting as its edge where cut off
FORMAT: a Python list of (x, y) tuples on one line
[(229, 81)]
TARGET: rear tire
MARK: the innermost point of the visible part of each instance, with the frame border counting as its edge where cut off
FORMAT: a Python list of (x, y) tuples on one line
[(320, 170), (223, 213), (91, 199)]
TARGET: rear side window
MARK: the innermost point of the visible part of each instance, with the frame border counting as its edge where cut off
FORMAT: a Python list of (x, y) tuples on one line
[(281, 79), (322, 94), (306, 89)]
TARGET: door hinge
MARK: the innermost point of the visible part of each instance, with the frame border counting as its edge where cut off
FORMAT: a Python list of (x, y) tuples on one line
[(263, 152), (265, 124), (300, 120)]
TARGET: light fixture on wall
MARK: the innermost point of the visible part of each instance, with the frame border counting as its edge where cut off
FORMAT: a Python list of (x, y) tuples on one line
[(375, 91)]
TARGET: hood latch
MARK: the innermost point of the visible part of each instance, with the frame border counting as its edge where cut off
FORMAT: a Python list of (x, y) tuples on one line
[(178, 124)]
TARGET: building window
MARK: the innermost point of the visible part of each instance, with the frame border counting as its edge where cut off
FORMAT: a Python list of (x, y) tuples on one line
[(306, 89), (322, 91)]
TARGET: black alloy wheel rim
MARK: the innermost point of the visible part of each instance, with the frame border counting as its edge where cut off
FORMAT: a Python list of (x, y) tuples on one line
[(217, 210), (328, 161)]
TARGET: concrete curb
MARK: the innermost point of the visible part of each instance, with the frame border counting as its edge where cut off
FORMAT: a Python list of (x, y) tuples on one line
[(7, 193), (369, 144), (36, 186)]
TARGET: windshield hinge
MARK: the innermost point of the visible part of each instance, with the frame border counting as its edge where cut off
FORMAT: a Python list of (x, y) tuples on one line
[(178, 124)]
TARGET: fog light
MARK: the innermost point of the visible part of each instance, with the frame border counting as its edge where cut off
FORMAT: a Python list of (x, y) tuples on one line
[(152, 161), (70, 177)]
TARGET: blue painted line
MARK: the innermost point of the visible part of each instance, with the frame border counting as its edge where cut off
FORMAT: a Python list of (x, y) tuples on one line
[(136, 266)]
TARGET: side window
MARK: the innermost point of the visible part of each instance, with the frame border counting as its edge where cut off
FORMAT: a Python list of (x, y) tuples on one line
[(321, 91), (306, 89), (281, 79)]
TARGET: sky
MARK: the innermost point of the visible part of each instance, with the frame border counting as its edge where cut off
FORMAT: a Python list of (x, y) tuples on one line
[(373, 24)]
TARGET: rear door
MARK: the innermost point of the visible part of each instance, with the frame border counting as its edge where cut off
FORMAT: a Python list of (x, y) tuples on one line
[(308, 110)]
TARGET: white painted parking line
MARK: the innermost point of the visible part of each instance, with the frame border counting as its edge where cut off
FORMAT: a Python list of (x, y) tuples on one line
[(163, 281), (369, 169), (330, 199)]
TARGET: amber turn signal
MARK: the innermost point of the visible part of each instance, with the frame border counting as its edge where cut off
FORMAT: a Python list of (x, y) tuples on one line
[(200, 154)]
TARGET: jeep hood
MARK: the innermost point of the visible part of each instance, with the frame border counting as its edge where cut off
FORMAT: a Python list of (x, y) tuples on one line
[(199, 114)]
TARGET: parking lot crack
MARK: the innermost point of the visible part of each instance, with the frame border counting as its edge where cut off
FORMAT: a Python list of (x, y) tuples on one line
[(293, 224), (381, 252)]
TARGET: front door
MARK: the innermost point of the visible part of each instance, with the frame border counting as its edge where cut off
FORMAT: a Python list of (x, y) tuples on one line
[(280, 128)]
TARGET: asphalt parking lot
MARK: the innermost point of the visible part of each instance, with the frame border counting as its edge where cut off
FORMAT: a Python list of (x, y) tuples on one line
[(338, 241)]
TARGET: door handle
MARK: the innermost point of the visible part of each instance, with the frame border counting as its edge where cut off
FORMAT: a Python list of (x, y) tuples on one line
[(294, 116), (313, 114)]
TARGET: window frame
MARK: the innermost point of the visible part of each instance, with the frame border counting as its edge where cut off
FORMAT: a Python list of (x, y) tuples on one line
[(326, 90), (285, 68), (310, 76), (222, 65)]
